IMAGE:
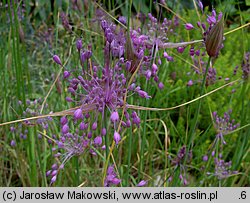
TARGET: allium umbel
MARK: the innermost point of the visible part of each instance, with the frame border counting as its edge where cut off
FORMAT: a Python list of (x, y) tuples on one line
[(99, 91), (222, 169), (224, 125)]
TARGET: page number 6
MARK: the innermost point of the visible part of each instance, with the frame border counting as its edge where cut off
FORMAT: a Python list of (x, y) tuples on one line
[(243, 195)]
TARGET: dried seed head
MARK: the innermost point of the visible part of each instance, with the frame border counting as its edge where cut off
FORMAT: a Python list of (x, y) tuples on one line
[(214, 39)]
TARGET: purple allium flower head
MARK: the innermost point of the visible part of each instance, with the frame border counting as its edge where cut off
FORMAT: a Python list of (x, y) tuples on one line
[(182, 158), (224, 125), (69, 145), (142, 183), (114, 117), (222, 169), (189, 26), (100, 89), (33, 108), (211, 76), (57, 59), (181, 155), (117, 137)]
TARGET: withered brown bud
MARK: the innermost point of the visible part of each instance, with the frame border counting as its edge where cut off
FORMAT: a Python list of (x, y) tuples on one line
[(214, 39)]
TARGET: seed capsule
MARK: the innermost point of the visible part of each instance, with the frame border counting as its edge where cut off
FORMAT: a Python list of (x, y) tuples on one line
[(214, 39)]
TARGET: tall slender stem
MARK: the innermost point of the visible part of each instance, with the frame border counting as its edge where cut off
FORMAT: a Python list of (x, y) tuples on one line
[(106, 136), (199, 105), (129, 155)]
